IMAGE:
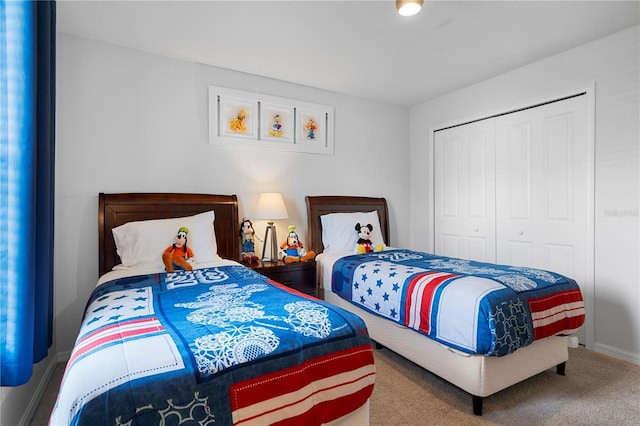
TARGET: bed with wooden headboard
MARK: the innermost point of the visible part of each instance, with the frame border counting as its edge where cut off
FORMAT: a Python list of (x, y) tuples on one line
[(318, 206), (218, 344), (479, 375), (117, 209)]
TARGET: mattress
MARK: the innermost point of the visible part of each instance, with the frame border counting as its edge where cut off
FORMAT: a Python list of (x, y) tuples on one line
[(479, 375), (475, 307)]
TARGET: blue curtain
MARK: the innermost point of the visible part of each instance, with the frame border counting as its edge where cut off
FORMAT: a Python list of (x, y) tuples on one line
[(27, 160)]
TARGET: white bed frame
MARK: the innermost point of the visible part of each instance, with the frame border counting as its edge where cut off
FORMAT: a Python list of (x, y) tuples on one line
[(478, 375)]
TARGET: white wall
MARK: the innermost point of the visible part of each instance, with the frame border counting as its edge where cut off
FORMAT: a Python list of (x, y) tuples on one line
[(612, 64), (133, 121), (129, 121)]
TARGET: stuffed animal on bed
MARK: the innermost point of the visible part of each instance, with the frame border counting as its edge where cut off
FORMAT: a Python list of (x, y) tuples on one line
[(248, 236), (293, 250), (364, 244), (176, 256)]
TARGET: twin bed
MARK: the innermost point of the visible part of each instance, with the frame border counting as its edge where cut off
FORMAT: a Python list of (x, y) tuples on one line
[(477, 374), (222, 344)]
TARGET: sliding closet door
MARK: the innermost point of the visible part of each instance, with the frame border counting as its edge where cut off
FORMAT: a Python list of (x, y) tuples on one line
[(465, 191), (541, 187)]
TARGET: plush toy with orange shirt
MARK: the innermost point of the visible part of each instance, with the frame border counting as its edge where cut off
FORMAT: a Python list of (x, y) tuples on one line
[(176, 256)]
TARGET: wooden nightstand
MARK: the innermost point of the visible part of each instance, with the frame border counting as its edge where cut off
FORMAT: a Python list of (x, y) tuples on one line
[(300, 276)]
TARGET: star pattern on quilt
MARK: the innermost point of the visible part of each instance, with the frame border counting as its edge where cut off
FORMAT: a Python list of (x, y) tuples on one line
[(435, 295), (379, 285), (131, 303)]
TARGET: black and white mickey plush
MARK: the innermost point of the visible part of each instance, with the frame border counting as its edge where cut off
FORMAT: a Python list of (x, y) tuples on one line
[(364, 244)]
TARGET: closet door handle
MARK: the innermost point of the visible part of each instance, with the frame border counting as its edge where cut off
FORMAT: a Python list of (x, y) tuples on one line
[(521, 233)]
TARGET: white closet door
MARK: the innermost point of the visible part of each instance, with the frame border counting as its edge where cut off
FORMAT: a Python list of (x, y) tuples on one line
[(541, 187), (465, 191), (515, 190)]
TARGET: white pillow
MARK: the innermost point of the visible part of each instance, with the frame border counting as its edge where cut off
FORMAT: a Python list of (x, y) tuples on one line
[(339, 230), (141, 244)]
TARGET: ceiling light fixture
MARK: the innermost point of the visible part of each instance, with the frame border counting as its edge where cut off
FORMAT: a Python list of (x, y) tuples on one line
[(408, 7)]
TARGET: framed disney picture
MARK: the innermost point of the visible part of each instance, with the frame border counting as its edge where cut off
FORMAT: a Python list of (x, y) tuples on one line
[(238, 117), (276, 122), (258, 121), (311, 126)]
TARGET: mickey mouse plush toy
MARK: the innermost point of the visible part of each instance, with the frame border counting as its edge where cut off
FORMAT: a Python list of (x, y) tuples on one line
[(364, 244)]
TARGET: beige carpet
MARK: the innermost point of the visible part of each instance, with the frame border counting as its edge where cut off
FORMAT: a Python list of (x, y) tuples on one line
[(597, 390)]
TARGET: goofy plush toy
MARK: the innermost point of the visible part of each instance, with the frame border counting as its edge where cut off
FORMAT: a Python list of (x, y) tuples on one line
[(293, 251), (248, 236), (176, 255)]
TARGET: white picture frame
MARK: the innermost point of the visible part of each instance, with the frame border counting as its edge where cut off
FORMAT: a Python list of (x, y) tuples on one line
[(277, 122), (238, 117), (246, 120), (311, 126)]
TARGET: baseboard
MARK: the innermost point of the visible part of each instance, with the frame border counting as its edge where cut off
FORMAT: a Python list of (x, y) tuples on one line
[(51, 363), (617, 353), (64, 356)]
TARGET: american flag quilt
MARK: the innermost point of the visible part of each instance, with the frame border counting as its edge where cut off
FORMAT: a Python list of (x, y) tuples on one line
[(477, 308), (222, 345)]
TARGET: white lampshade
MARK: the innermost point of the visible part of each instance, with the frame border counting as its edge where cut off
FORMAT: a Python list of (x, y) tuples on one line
[(271, 207), (408, 7)]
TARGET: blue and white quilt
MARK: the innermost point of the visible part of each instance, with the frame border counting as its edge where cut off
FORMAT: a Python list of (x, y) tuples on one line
[(475, 307), (220, 345)]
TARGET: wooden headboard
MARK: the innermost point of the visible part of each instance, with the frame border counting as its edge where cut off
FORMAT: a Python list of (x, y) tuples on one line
[(321, 205), (117, 209)]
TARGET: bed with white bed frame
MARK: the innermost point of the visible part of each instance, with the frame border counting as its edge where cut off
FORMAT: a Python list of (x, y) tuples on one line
[(478, 375)]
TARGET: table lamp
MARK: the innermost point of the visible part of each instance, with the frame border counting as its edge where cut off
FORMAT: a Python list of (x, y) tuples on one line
[(271, 207)]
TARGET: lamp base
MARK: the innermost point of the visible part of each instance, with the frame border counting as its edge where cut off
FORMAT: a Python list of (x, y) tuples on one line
[(270, 232)]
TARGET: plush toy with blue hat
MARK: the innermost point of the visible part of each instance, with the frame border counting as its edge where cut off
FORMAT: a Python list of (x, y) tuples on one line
[(176, 256)]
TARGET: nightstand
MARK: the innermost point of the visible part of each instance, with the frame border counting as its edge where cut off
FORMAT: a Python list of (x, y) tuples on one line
[(300, 276)]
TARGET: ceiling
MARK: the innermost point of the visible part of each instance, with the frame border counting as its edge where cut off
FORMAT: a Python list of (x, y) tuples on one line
[(358, 47)]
